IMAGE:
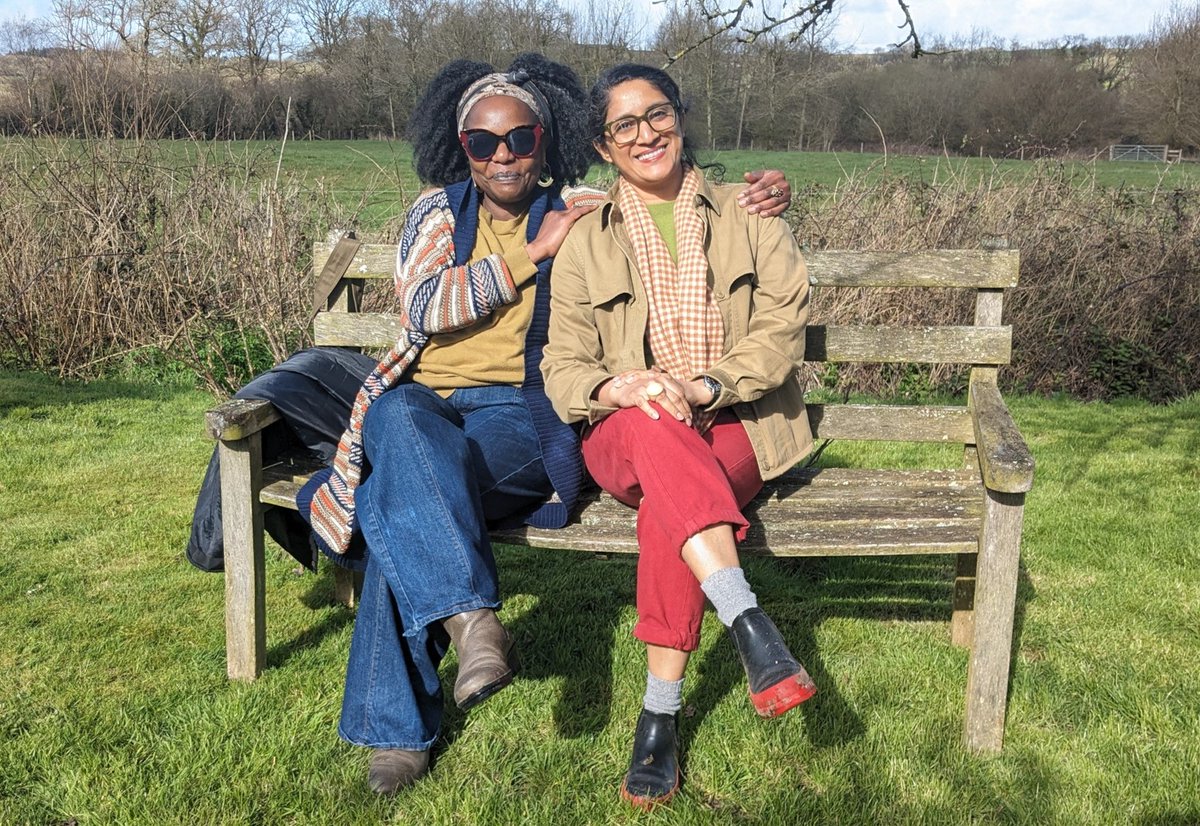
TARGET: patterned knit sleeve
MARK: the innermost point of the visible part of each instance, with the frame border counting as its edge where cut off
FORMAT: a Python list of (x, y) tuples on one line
[(435, 296), (582, 196)]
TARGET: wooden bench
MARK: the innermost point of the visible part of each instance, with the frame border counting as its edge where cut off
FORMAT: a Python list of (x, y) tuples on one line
[(973, 510)]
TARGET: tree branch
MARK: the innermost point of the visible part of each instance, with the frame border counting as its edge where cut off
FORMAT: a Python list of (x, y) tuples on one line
[(727, 16)]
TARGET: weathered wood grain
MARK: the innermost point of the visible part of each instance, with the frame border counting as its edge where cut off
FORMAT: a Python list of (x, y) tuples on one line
[(919, 345), (826, 268), (371, 261), (834, 343), (1004, 458), (932, 268), (245, 583), (892, 423), (995, 608), (238, 418)]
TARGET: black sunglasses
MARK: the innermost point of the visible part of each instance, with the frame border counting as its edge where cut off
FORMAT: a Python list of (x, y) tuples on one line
[(480, 144)]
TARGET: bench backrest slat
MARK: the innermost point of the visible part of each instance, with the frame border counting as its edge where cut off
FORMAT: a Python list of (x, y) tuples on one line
[(980, 269), (371, 260), (832, 343), (892, 423), (924, 345), (934, 268)]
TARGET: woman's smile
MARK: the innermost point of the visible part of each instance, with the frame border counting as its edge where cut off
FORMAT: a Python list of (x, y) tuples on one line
[(652, 163)]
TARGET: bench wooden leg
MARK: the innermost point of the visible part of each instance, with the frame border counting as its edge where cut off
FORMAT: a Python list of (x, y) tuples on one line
[(995, 607), (245, 588), (962, 618), (347, 585)]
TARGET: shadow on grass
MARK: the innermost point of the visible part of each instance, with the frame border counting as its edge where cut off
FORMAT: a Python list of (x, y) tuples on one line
[(570, 633), (280, 653)]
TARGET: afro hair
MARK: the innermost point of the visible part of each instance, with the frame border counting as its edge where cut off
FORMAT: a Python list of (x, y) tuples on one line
[(433, 129)]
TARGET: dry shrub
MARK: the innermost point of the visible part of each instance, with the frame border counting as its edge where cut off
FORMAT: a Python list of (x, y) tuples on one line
[(118, 253), (1108, 302)]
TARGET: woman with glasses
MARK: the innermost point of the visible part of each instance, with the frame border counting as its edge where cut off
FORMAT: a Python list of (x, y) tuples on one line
[(676, 330), (454, 424)]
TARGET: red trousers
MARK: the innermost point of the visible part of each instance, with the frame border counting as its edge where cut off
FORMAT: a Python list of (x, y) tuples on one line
[(681, 482)]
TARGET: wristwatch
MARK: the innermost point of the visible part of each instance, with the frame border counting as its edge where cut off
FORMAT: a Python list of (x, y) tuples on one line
[(713, 386)]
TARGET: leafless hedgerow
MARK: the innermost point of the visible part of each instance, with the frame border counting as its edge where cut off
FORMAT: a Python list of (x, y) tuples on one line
[(1108, 302), (119, 251)]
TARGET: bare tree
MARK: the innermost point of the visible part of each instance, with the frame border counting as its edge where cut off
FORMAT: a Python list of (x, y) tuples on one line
[(328, 24), (1041, 104), (259, 29), (1166, 100), (137, 25), (198, 28)]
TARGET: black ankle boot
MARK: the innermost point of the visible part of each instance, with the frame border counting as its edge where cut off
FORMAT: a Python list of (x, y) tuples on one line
[(653, 775), (778, 682)]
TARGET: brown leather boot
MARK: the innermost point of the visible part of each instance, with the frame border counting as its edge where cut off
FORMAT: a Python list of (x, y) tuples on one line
[(486, 660), (393, 769)]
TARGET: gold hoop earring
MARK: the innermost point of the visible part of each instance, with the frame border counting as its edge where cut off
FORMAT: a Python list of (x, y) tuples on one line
[(546, 179)]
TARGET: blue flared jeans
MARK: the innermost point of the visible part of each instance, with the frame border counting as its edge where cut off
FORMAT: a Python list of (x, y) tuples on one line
[(441, 470)]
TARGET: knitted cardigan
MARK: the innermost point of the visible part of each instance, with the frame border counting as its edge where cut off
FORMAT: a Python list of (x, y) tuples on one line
[(439, 292)]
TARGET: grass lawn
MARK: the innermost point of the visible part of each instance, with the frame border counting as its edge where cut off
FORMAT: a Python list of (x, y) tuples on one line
[(114, 707)]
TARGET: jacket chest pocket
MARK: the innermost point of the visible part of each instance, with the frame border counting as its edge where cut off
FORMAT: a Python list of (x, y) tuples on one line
[(733, 277), (614, 321)]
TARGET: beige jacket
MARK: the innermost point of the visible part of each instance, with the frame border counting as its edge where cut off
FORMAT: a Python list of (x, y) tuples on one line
[(598, 316)]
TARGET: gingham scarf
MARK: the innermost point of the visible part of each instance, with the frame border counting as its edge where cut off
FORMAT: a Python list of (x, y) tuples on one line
[(686, 332)]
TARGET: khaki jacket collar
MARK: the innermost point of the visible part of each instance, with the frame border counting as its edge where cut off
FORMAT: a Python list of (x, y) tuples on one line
[(610, 212)]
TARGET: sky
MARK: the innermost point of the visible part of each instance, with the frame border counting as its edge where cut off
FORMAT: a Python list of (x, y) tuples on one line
[(869, 24), (865, 25)]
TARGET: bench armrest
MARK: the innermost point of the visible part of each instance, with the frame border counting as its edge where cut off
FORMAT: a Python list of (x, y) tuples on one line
[(1004, 459), (239, 418)]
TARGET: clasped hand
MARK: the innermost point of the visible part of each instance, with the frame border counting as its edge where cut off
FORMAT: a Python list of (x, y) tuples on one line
[(651, 389)]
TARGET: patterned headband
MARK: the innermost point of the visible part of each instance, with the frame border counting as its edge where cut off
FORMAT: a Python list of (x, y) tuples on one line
[(510, 84)]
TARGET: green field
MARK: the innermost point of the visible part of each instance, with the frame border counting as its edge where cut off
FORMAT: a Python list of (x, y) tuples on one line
[(114, 708), (375, 179), (380, 173)]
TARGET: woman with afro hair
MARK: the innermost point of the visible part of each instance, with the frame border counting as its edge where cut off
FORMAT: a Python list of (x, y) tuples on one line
[(454, 424)]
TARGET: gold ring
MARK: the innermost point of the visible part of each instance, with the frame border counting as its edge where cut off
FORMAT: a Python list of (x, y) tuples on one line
[(654, 389), (775, 192)]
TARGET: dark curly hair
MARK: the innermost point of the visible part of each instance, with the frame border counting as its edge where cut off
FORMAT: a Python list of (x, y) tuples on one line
[(611, 78), (439, 158)]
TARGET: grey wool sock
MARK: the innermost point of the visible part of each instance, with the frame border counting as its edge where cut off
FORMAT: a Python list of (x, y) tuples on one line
[(662, 696), (729, 592)]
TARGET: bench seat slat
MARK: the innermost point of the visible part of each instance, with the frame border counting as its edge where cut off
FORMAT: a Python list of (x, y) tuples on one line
[(915, 538), (813, 512)]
